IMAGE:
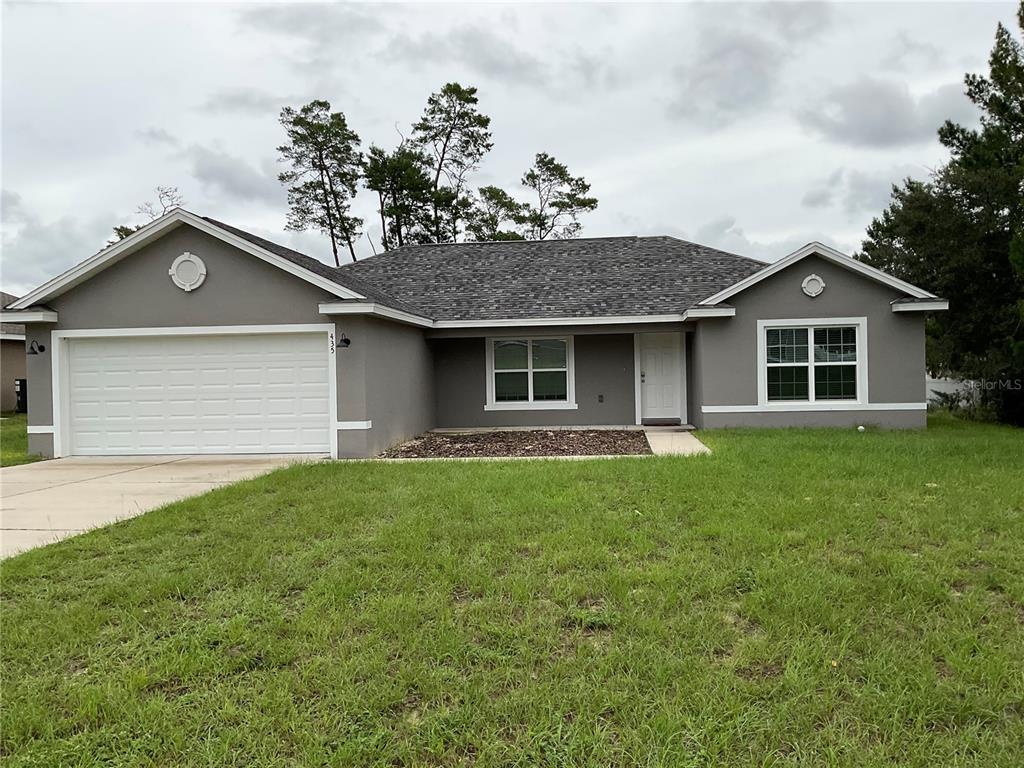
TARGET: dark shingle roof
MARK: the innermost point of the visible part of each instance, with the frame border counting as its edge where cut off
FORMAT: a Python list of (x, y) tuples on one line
[(592, 277), (5, 300)]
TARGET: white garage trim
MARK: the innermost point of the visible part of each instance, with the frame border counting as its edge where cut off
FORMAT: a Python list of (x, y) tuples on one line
[(60, 360)]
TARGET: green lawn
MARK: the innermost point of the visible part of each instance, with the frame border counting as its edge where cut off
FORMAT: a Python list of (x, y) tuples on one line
[(14, 440), (797, 598)]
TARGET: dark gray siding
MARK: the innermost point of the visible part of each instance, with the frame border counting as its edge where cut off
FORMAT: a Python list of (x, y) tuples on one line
[(725, 357), (604, 367), (240, 289), (386, 376)]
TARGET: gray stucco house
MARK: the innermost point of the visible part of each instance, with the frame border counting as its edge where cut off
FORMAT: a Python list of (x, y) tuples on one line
[(12, 358), (192, 336)]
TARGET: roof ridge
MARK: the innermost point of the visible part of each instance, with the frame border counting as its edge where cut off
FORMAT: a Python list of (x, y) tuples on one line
[(511, 241)]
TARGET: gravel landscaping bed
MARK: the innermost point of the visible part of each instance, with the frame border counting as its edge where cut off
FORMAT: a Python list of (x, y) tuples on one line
[(540, 442)]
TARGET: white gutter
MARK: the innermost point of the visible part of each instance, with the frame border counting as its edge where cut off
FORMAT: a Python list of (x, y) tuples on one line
[(379, 310)]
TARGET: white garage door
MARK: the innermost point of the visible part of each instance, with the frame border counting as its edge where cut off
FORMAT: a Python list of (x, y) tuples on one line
[(198, 394)]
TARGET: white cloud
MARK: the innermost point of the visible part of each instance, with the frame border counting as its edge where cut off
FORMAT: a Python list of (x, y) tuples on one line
[(675, 113), (873, 112), (725, 234), (35, 250), (223, 174)]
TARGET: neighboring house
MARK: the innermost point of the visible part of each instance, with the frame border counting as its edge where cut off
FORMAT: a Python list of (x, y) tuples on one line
[(12, 358), (191, 336)]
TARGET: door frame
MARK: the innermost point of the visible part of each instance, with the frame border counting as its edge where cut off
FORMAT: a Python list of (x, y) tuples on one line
[(638, 389), (60, 361)]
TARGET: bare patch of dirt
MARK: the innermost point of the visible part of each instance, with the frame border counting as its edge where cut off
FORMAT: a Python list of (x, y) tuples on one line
[(759, 671), (539, 442)]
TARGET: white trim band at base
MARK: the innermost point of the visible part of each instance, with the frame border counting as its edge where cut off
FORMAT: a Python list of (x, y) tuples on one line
[(353, 425), (40, 430), (809, 407)]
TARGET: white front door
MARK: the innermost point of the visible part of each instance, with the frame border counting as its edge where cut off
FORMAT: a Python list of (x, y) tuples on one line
[(260, 393), (661, 376)]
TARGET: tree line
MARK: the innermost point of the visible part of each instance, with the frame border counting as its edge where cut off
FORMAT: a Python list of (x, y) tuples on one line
[(422, 186), (961, 236)]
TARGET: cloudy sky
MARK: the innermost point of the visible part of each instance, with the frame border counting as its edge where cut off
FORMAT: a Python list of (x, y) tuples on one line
[(753, 128)]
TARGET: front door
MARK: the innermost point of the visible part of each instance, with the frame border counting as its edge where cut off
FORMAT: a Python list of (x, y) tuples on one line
[(661, 377)]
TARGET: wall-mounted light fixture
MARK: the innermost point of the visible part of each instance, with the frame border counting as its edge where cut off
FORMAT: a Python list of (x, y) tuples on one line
[(344, 342), (35, 348)]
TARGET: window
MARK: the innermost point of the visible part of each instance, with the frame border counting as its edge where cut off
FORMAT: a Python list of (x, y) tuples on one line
[(813, 363), (530, 373)]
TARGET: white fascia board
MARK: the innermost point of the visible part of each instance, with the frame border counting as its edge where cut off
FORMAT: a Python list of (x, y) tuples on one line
[(830, 254), (834, 405), (524, 322), (938, 305), (21, 316), (380, 310), (12, 336), (530, 322), (372, 308), (696, 313), (108, 256)]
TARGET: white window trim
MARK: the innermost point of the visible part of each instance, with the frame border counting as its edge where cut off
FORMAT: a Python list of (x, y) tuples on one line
[(60, 362), (860, 324), (529, 405)]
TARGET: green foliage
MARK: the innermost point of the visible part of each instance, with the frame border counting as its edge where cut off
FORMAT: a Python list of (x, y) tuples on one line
[(494, 210), (422, 186), (961, 236), (455, 136), (404, 193), (558, 200), (326, 165), (797, 598)]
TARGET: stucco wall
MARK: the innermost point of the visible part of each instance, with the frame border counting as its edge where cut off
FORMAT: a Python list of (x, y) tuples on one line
[(12, 366), (386, 376), (726, 348), (604, 367), (136, 292)]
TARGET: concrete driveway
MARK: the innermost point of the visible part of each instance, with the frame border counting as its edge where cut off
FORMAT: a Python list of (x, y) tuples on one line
[(51, 500)]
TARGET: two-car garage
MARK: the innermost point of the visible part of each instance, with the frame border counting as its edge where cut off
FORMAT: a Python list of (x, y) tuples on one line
[(194, 391)]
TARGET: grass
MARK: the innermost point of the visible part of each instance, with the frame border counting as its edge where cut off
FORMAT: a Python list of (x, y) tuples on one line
[(797, 598), (14, 440)]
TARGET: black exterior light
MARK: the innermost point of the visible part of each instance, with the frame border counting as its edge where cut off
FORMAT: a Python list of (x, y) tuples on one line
[(345, 342), (35, 348)]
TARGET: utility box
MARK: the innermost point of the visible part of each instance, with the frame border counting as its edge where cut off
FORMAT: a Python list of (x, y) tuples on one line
[(21, 392)]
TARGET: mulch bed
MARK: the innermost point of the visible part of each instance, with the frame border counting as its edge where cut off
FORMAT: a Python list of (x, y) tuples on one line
[(540, 442)]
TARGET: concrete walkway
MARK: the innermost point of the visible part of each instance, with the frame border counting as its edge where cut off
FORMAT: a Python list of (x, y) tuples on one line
[(673, 441), (51, 500)]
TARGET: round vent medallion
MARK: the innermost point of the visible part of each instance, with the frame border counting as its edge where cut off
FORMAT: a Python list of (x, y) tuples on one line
[(188, 271), (813, 285)]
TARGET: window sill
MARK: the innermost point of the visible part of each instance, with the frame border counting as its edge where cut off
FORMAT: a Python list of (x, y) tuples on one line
[(523, 406)]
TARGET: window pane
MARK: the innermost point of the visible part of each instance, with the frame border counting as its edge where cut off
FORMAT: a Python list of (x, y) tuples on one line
[(787, 345), (550, 385), (835, 345), (548, 353), (510, 387), (788, 383), (510, 353), (835, 382)]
